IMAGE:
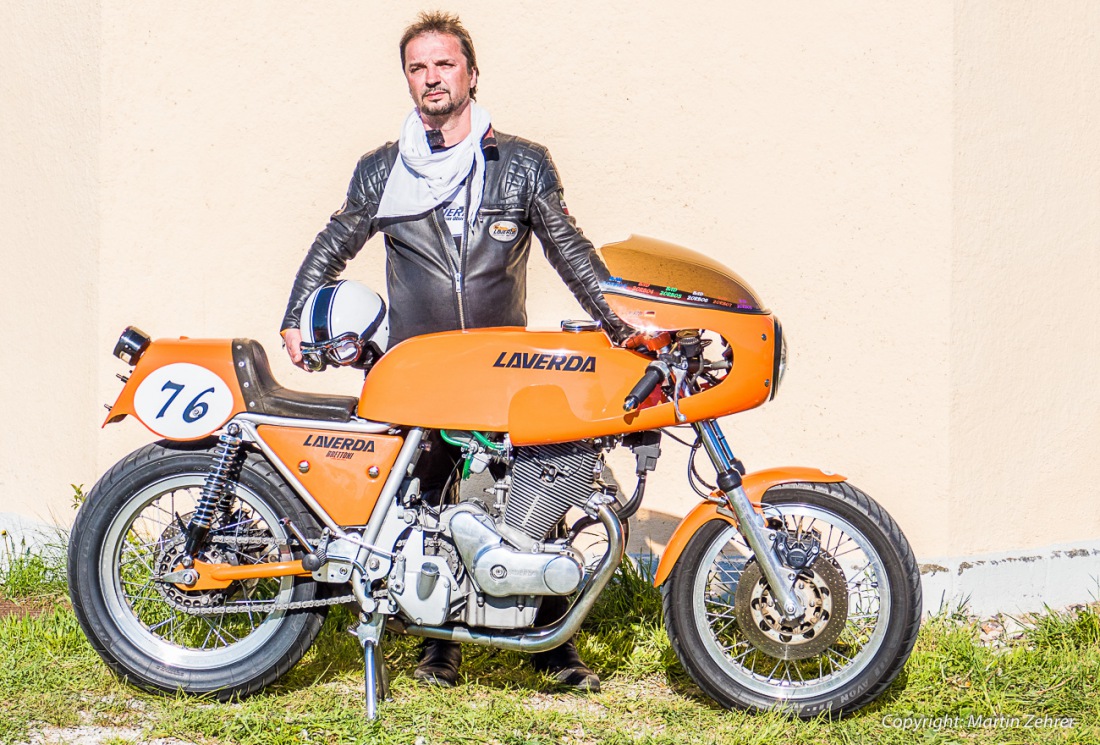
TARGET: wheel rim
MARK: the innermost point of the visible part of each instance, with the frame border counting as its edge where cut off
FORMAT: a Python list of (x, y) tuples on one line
[(868, 607), (139, 544)]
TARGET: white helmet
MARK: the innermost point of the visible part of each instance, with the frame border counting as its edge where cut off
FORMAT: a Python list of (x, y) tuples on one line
[(344, 323)]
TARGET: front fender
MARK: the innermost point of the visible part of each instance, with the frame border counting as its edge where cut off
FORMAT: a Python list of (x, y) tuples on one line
[(755, 485)]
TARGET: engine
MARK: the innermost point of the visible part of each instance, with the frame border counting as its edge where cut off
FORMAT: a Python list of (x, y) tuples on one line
[(489, 565), (546, 481)]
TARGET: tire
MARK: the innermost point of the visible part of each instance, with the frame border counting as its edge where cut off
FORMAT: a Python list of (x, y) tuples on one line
[(127, 531), (850, 645)]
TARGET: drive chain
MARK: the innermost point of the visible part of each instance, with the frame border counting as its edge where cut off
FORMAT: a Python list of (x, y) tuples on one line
[(264, 606)]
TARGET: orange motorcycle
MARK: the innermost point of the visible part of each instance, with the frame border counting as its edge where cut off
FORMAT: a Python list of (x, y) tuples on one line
[(205, 562)]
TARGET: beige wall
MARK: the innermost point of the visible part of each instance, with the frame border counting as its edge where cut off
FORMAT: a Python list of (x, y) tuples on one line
[(50, 208), (1025, 350), (911, 187)]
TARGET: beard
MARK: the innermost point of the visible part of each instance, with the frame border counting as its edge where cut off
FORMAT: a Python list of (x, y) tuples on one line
[(444, 106)]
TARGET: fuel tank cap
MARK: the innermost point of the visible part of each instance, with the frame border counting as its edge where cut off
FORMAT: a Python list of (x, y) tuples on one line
[(578, 326)]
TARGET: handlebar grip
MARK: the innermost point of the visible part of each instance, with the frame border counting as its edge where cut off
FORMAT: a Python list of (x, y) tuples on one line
[(655, 374)]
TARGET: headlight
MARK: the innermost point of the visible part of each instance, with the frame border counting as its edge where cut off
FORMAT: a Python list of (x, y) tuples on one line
[(779, 367), (131, 345)]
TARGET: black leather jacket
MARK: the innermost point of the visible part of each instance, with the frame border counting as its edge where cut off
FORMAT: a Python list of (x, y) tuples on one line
[(430, 288)]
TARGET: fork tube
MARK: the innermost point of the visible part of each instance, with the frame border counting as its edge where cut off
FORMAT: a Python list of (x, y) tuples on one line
[(780, 579), (714, 442)]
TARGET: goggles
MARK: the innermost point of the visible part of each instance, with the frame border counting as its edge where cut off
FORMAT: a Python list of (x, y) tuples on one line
[(342, 350)]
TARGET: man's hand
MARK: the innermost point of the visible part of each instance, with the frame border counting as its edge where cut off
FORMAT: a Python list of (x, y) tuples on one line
[(293, 340)]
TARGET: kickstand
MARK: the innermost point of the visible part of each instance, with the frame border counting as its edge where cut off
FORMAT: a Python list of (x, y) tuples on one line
[(375, 677)]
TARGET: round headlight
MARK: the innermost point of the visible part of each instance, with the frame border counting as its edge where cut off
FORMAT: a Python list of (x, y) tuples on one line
[(131, 345)]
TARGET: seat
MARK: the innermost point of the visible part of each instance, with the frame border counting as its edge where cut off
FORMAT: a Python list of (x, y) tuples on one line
[(263, 395)]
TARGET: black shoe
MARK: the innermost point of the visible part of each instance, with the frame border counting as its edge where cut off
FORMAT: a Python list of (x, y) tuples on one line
[(566, 667), (439, 661)]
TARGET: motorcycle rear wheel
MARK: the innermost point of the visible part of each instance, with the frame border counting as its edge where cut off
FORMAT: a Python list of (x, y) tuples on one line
[(863, 598), (130, 530)]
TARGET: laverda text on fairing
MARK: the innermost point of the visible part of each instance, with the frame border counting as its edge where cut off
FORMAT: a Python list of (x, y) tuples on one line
[(205, 562)]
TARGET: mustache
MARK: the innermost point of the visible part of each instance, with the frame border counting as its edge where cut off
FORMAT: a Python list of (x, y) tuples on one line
[(436, 89)]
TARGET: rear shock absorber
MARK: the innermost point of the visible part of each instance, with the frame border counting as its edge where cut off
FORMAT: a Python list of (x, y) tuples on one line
[(215, 494)]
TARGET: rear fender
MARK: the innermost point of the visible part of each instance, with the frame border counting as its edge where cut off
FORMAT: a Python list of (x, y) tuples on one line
[(182, 389), (755, 485)]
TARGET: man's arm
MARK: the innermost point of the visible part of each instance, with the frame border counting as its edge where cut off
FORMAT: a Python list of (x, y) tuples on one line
[(340, 240), (571, 254)]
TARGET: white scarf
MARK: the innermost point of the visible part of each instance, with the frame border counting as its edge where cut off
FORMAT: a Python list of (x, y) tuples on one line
[(421, 180)]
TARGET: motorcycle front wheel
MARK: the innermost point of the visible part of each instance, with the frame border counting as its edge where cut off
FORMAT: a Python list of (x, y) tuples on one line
[(158, 635), (860, 585)]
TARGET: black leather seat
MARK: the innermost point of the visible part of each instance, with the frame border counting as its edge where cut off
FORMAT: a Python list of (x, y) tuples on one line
[(262, 395)]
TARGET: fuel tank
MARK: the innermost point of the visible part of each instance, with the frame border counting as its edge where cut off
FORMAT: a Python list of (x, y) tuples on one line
[(554, 386)]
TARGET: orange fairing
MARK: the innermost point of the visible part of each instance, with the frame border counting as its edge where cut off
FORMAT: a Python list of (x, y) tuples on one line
[(215, 356), (336, 467), (755, 485)]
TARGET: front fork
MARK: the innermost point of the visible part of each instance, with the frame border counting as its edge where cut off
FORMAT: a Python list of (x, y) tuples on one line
[(760, 538)]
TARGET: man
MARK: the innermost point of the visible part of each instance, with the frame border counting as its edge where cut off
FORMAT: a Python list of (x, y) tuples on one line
[(457, 203)]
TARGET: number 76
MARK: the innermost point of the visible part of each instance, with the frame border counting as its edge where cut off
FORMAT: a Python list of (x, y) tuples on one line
[(193, 411)]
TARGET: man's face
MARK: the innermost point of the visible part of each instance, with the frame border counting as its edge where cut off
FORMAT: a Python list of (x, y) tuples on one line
[(439, 79)]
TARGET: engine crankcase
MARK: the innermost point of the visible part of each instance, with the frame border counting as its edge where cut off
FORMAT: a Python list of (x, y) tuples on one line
[(421, 585), (500, 570)]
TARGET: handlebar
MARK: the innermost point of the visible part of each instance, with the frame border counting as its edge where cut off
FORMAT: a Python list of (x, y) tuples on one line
[(656, 373)]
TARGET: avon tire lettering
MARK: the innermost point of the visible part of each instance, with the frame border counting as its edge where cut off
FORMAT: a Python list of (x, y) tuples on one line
[(537, 361)]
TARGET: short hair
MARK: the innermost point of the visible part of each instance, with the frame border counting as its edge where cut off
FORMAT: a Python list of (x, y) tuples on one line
[(440, 22)]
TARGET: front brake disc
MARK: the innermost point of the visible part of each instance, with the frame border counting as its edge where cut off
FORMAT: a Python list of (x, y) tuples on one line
[(824, 591)]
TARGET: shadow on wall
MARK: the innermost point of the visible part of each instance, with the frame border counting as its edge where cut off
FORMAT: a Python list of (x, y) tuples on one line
[(650, 531)]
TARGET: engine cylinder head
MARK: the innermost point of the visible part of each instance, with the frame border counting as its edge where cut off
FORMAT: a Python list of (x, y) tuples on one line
[(546, 481)]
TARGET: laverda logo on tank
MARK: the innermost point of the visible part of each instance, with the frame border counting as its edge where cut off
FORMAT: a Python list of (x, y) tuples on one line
[(537, 361)]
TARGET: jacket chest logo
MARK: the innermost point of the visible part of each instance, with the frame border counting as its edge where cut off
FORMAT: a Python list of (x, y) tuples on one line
[(503, 231)]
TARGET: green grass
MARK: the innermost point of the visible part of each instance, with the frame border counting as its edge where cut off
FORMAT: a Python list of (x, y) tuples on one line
[(30, 574), (50, 677)]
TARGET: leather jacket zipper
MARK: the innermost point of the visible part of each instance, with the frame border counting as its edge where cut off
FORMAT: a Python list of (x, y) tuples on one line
[(462, 247), (446, 241)]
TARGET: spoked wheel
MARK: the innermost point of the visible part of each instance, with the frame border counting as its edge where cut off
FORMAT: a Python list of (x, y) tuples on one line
[(856, 577), (159, 634)]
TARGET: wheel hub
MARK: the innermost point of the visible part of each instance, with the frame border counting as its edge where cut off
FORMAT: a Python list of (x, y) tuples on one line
[(183, 599), (823, 591)]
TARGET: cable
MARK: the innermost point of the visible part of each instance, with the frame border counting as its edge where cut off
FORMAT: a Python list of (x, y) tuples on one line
[(674, 437)]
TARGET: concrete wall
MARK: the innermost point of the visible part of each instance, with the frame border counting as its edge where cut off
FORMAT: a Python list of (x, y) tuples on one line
[(911, 188)]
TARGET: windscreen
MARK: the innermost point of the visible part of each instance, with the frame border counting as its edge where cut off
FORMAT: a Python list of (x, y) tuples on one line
[(664, 272)]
